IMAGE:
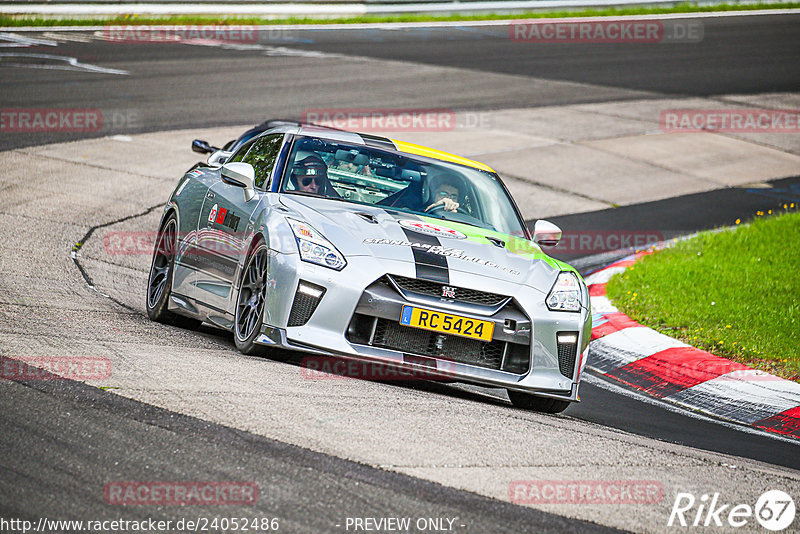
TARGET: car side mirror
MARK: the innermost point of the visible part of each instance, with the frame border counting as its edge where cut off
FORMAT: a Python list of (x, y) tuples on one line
[(242, 175), (202, 147), (218, 158), (546, 233)]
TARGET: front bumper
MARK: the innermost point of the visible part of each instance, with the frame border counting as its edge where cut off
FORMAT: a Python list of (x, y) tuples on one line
[(329, 330)]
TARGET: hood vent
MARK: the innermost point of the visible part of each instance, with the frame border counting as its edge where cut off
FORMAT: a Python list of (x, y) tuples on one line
[(367, 217)]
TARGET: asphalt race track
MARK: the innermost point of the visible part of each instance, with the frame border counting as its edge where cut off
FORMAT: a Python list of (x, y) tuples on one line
[(479, 68), (186, 406), (308, 491)]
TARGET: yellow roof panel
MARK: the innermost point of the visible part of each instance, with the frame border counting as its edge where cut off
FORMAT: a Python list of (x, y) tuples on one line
[(420, 150)]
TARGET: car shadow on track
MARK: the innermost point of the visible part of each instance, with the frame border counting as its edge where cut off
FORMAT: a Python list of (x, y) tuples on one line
[(388, 375)]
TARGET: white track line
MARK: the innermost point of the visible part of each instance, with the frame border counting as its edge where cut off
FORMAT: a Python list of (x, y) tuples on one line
[(71, 63), (21, 40), (68, 37), (268, 50)]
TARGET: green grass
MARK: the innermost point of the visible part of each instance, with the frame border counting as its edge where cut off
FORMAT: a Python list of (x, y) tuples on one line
[(734, 293), (26, 20)]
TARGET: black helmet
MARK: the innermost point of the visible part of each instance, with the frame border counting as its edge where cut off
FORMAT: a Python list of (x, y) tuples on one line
[(310, 166)]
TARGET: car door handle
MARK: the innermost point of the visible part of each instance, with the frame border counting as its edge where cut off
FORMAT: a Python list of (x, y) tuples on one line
[(210, 195)]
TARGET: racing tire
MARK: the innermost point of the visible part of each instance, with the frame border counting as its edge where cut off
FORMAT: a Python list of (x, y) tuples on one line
[(250, 302), (159, 282), (538, 404)]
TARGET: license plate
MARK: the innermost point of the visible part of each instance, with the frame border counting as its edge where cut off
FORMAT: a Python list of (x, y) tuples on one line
[(447, 323)]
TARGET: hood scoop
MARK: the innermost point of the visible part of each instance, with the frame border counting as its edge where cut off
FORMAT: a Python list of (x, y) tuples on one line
[(496, 242), (367, 217)]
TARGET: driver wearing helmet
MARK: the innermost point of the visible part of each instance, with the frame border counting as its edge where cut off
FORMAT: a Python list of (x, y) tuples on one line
[(445, 191), (310, 175)]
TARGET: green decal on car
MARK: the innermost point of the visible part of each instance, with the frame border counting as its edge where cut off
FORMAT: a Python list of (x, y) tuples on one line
[(516, 245)]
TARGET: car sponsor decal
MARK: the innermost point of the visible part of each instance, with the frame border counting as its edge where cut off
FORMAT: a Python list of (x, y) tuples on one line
[(224, 217), (439, 250), (221, 215), (516, 245), (231, 220), (431, 229)]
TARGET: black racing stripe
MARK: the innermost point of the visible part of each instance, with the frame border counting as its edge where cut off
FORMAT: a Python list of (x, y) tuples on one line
[(434, 273), (429, 266), (377, 142)]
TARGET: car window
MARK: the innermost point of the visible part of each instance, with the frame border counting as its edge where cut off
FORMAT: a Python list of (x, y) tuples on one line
[(262, 155), (367, 175), (241, 152)]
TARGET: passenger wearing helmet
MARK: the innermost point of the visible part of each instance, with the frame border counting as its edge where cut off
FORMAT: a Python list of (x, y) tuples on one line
[(310, 175)]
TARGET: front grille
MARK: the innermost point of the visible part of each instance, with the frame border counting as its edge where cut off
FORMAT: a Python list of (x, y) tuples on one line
[(566, 357), (303, 306), (392, 335), (376, 323), (434, 289)]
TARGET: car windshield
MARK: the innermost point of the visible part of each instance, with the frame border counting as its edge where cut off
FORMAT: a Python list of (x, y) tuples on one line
[(364, 175)]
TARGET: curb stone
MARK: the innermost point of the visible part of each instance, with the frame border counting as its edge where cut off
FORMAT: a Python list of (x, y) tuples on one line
[(628, 352)]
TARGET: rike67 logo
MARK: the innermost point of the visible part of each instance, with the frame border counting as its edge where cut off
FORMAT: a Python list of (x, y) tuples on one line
[(774, 510)]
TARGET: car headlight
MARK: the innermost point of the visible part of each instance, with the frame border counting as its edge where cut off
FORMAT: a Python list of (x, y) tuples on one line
[(314, 248), (566, 293)]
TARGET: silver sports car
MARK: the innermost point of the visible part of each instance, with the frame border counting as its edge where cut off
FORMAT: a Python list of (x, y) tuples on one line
[(354, 246)]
